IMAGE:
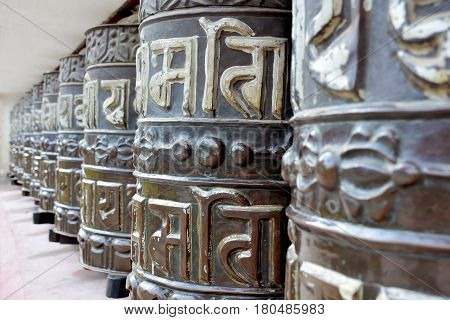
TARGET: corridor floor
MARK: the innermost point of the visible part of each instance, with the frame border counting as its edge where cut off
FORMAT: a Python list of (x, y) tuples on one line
[(31, 267)]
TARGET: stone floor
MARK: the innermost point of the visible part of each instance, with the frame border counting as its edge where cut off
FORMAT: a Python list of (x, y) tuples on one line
[(30, 266)]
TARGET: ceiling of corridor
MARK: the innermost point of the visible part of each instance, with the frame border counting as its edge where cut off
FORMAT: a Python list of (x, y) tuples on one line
[(34, 34)]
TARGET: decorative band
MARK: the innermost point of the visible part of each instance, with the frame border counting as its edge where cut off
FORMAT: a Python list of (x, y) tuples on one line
[(111, 65), (191, 287), (220, 10), (190, 181), (376, 238), (65, 206), (106, 169), (422, 109), (105, 233), (235, 122), (112, 132)]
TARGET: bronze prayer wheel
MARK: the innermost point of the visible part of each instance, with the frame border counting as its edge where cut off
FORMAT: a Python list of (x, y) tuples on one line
[(70, 112), (369, 214), (208, 214), (13, 144), (110, 121), (21, 140), (19, 147), (48, 142), (36, 122), (28, 140), (18, 143)]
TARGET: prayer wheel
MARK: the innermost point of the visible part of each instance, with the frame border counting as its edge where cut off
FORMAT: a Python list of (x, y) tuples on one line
[(13, 143), (28, 140), (70, 133), (20, 140), (208, 214), (47, 165), (19, 147), (36, 122), (369, 214), (107, 148)]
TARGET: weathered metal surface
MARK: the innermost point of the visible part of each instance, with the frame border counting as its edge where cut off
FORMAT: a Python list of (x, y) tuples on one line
[(20, 141), (48, 141), (110, 122), (208, 214), (27, 143), (369, 215), (70, 132), (28, 139), (12, 137), (36, 123), (14, 143)]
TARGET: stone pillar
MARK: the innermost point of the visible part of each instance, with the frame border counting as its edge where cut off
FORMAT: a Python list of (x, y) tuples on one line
[(36, 122), (208, 214), (48, 148), (70, 131), (110, 121), (369, 215)]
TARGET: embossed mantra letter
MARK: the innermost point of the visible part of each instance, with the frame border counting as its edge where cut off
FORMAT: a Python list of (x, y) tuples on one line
[(116, 106), (253, 90), (213, 31), (161, 82)]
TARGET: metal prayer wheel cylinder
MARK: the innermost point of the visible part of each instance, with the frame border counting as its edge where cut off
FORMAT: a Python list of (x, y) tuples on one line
[(36, 123), (13, 143), (369, 214), (208, 214), (18, 144), (28, 141), (20, 141), (70, 112), (110, 122), (48, 141)]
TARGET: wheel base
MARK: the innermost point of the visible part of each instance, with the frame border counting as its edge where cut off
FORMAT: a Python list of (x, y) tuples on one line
[(14, 182), (43, 217), (53, 236), (25, 193), (37, 202), (116, 286)]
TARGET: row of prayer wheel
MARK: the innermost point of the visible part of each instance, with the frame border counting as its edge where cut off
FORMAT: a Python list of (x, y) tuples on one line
[(251, 149)]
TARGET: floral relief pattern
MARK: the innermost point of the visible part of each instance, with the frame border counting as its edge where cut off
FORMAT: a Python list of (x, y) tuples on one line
[(112, 44), (145, 149), (47, 145), (157, 150), (357, 179), (68, 146), (110, 153)]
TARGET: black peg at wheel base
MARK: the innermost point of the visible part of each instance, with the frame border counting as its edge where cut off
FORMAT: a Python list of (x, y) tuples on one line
[(43, 217), (116, 286)]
